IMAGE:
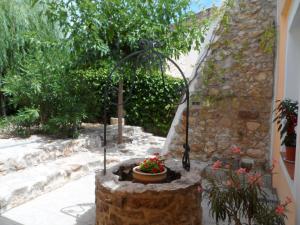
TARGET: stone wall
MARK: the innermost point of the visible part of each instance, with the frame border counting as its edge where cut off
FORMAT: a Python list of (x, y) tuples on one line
[(128, 203), (232, 104)]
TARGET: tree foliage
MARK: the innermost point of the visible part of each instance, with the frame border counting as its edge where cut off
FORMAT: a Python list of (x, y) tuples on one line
[(114, 27), (22, 28), (56, 56)]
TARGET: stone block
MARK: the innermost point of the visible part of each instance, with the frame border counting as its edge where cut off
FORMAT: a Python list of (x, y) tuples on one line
[(248, 115), (114, 121), (255, 153), (252, 126)]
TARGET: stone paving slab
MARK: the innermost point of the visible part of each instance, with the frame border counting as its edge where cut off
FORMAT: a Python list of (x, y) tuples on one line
[(72, 204)]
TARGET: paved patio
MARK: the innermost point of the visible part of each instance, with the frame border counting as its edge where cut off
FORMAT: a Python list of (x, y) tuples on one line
[(73, 204)]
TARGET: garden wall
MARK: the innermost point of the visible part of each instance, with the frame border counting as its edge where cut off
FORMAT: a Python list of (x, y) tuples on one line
[(232, 100)]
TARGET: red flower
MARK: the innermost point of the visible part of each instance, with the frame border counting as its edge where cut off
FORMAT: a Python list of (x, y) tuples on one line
[(217, 165), (227, 166), (279, 209), (152, 165), (236, 150), (290, 129), (229, 183), (241, 171), (255, 179), (200, 189), (294, 120), (154, 170), (288, 200)]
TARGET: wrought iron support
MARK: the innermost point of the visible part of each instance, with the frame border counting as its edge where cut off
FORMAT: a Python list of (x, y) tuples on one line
[(148, 48)]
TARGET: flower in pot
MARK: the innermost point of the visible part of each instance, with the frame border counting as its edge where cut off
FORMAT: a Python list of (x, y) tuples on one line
[(151, 170), (286, 118)]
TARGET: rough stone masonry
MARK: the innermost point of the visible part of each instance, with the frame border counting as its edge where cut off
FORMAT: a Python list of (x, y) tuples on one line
[(232, 104), (132, 203)]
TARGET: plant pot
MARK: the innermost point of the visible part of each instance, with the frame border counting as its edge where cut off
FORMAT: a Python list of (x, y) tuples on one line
[(290, 154), (147, 178)]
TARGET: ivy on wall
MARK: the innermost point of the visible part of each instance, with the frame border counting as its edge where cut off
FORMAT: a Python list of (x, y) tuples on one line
[(267, 40)]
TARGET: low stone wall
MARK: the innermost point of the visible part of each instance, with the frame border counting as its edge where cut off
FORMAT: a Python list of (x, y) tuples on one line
[(128, 203), (18, 154)]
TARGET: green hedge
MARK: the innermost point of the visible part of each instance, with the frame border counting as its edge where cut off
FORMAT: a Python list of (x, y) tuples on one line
[(151, 101), (64, 99)]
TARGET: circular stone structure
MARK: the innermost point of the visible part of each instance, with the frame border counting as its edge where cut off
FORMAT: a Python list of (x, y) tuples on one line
[(130, 203)]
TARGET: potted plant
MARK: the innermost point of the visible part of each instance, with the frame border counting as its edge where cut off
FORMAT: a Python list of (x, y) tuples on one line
[(286, 117), (151, 170)]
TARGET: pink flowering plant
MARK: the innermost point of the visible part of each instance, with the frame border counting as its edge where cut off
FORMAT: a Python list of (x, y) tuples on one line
[(238, 196), (153, 164)]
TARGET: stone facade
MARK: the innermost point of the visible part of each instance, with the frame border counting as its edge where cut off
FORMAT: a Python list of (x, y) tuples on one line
[(128, 203), (232, 103)]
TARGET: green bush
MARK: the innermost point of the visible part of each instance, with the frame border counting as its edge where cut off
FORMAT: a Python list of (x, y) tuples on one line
[(21, 123), (44, 83), (151, 101), (64, 98)]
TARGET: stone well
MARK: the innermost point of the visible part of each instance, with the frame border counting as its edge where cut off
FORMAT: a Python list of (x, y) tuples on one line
[(129, 203)]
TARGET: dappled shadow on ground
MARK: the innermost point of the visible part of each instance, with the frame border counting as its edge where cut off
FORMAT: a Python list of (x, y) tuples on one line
[(6, 221), (88, 218), (84, 213)]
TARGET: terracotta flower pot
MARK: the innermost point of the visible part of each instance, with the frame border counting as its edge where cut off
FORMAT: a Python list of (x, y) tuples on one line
[(149, 177), (290, 154)]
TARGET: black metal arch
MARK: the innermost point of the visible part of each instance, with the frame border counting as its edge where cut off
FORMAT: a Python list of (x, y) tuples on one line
[(149, 48)]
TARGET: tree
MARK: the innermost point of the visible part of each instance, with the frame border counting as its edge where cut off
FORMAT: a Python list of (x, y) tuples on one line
[(63, 41), (20, 25), (113, 28)]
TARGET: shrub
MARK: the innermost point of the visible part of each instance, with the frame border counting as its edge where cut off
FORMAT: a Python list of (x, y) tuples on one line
[(237, 195), (21, 123), (151, 101), (44, 83), (64, 98)]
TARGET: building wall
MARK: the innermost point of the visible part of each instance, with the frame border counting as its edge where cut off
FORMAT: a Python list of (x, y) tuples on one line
[(232, 100), (281, 180)]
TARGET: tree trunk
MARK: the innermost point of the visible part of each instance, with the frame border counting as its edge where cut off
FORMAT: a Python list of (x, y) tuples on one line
[(120, 112), (3, 105)]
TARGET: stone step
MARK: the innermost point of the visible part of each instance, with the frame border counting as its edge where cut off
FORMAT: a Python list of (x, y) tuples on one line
[(19, 154), (19, 187)]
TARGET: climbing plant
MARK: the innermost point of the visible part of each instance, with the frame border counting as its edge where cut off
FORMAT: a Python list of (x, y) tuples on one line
[(267, 39)]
